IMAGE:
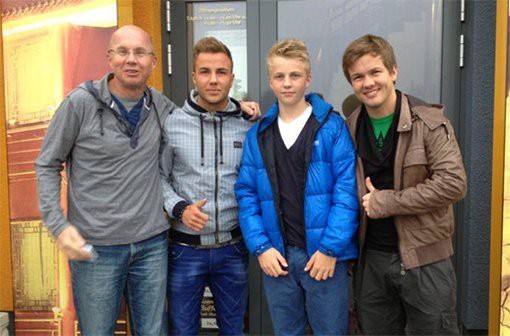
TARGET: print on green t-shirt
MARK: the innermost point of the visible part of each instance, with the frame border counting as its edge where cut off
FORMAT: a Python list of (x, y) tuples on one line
[(381, 127)]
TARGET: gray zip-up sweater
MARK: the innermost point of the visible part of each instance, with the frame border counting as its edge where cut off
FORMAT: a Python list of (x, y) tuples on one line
[(200, 160), (113, 185)]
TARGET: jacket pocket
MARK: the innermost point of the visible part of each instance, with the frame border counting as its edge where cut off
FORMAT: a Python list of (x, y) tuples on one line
[(415, 167), (176, 251), (240, 248)]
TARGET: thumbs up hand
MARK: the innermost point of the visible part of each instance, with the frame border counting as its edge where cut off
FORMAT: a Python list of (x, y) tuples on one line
[(366, 198), (193, 217)]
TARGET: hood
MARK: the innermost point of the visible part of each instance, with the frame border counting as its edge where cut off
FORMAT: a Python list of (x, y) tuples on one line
[(233, 110), (154, 100), (191, 107)]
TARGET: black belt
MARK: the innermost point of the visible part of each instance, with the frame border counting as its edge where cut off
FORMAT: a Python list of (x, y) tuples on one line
[(194, 240)]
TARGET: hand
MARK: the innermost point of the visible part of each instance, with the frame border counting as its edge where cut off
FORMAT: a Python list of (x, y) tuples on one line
[(193, 217), (321, 266), (252, 109), (71, 243), (366, 198), (271, 262)]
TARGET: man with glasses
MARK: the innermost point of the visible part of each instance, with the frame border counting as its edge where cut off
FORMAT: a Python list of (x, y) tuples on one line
[(107, 134)]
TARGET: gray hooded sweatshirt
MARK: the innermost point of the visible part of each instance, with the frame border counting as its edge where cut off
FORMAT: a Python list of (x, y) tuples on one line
[(113, 185), (201, 159)]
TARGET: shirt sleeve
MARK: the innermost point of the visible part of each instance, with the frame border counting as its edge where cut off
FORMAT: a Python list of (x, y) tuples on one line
[(55, 152), (166, 162)]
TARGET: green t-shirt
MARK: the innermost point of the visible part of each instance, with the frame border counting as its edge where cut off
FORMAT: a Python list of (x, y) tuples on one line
[(381, 127)]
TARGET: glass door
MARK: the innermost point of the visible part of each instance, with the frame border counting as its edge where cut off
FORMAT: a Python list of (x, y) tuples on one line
[(425, 36)]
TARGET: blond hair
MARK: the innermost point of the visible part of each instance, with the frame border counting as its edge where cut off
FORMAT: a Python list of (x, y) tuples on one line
[(291, 48)]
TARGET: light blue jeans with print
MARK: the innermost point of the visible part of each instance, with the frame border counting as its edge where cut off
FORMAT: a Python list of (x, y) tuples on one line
[(297, 298), (139, 271)]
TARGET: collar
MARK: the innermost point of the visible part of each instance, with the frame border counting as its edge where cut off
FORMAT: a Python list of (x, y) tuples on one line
[(320, 110), (405, 121), (233, 106)]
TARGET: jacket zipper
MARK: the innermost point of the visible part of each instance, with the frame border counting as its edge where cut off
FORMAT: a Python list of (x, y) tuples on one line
[(308, 159), (217, 228)]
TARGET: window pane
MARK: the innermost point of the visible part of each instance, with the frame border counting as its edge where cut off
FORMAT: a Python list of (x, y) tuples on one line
[(413, 27), (225, 20)]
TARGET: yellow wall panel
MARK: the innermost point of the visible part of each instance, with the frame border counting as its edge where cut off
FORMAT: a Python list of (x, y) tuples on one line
[(148, 17), (6, 299), (498, 166)]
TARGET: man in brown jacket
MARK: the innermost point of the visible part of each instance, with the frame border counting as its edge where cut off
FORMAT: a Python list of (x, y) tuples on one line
[(409, 173)]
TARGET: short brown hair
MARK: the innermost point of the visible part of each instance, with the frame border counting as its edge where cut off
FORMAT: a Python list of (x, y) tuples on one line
[(291, 48), (368, 44), (210, 45)]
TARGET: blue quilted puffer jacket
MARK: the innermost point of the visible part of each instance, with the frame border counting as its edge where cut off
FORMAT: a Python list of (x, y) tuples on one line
[(331, 204)]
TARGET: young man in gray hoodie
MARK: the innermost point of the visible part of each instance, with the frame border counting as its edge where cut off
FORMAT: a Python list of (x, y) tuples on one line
[(107, 134), (199, 166)]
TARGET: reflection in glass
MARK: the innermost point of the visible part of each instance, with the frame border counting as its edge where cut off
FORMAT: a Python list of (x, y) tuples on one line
[(225, 20), (413, 27)]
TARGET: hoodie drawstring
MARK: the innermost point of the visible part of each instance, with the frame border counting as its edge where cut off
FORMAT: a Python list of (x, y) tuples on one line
[(201, 140), (221, 139), (101, 128), (89, 86)]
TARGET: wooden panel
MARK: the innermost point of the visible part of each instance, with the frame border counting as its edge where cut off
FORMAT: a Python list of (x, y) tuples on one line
[(29, 55), (498, 166), (23, 147), (39, 275), (6, 294), (35, 266), (35, 323), (149, 18), (124, 12)]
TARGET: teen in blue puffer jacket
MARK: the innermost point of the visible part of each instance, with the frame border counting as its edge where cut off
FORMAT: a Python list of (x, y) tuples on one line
[(298, 207), (331, 207)]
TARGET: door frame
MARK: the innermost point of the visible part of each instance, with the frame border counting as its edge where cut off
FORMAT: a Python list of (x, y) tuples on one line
[(260, 38)]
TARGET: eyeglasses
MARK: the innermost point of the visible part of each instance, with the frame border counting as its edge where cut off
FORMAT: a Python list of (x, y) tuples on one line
[(139, 53)]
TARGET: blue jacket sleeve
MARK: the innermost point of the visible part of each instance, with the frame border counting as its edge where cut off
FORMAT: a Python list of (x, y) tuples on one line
[(339, 237), (250, 210)]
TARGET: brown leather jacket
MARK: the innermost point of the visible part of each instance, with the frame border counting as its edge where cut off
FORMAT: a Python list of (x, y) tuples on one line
[(429, 177)]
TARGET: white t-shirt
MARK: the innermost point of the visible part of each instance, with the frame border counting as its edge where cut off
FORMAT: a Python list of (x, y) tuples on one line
[(291, 130)]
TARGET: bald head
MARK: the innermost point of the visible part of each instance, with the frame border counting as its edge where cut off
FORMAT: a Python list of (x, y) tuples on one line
[(130, 32), (132, 60)]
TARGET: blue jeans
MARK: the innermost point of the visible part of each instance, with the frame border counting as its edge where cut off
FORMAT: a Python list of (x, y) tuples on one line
[(296, 296), (224, 270), (139, 271)]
